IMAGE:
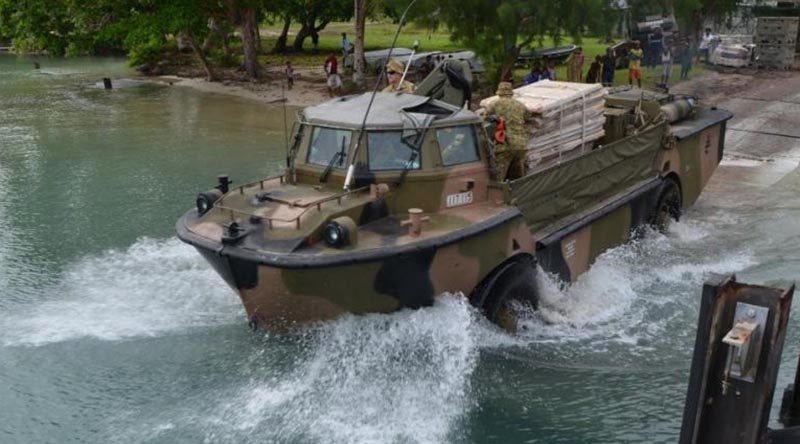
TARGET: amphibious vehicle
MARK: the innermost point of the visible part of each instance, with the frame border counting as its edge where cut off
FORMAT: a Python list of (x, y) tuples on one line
[(384, 210)]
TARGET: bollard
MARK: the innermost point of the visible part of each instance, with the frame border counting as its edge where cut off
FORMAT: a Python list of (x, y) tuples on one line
[(107, 83), (415, 220)]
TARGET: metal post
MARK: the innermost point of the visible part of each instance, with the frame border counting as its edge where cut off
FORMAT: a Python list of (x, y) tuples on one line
[(737, 352)]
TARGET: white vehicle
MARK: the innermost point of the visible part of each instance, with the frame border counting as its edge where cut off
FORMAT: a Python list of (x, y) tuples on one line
[(733, 51)]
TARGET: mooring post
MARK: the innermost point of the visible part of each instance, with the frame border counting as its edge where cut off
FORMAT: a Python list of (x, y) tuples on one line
[(737, 352), (107, 82)]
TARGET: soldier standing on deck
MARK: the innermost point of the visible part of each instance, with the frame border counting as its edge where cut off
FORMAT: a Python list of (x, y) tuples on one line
[(510, 136), (394, 72)]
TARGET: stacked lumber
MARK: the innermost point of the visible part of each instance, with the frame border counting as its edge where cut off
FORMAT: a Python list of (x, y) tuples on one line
[(564, 116)]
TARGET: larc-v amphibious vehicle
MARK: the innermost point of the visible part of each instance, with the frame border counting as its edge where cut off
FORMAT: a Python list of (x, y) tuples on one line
[(378, 213)]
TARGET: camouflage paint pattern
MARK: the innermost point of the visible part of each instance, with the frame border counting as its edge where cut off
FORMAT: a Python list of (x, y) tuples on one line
[(266, 238)]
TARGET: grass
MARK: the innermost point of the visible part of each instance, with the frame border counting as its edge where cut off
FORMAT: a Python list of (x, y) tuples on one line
[(378, 35)]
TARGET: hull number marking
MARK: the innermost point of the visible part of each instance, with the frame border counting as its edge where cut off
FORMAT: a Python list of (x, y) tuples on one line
[(569, 249), (458, 199)]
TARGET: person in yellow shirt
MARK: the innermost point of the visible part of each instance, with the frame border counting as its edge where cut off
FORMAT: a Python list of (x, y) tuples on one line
[(635, 55), (394, 72)]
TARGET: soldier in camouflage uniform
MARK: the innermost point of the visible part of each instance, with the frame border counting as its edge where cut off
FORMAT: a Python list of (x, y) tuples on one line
[(510, 149), (394, 72)]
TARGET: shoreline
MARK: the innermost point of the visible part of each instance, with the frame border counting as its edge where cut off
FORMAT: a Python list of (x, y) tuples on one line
[(309, 88)]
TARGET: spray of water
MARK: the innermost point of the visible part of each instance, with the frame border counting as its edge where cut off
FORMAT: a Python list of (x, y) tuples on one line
[(152, 288), (403, 377)]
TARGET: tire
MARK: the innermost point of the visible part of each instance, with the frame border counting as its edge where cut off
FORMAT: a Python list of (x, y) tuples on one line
[(508, 292), (668, 206)]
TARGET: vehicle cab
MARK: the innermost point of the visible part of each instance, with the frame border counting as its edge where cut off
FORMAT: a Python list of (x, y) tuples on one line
[(431, 155)]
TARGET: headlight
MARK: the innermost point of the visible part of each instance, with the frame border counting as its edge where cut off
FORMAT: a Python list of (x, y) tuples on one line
[(205, 200), (340, 232)]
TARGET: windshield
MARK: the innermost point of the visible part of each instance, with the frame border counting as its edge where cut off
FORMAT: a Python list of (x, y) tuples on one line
[(386, 151), (457, 145), (325, 143)]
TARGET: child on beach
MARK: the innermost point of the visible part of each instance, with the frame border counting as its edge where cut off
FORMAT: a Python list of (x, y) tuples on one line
[(289, 74)]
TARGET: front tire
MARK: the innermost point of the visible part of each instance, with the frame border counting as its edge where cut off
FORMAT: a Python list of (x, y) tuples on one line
[(668, 206), (510, 291)]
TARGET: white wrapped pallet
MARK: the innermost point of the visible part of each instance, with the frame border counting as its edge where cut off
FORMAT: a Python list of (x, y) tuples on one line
[(565, 115)]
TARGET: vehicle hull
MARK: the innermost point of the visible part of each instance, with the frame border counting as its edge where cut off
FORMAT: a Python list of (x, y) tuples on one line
[(281, 292)]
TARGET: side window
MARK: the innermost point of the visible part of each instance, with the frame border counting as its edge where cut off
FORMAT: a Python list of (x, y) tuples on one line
[(457, 145), (325, 143), (387, 152)]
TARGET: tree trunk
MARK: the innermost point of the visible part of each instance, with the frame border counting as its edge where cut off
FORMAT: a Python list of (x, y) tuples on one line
[(280, 44), (227, 55), (198, 51), (301, 36), (507, 71), (358, 54), (249, 46)]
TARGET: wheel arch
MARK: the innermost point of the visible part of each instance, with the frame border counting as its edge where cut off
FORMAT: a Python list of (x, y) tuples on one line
[(673, 176), (478, 296)]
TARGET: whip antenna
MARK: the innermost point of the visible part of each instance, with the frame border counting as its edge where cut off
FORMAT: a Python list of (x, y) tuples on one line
[(351, 168)]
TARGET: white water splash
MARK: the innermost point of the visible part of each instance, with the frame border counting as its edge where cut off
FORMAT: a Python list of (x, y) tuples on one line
[(621, 298), (403, 377), (151, 288)]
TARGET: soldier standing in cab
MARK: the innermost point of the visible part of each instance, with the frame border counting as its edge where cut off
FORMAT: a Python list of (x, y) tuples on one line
[(394, 72), (510, 137)]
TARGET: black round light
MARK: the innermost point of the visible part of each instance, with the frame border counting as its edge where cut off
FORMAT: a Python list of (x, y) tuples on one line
[(335, 234), (205, 200)]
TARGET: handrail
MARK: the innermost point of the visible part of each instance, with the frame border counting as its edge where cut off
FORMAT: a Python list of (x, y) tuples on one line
[(270, 220)]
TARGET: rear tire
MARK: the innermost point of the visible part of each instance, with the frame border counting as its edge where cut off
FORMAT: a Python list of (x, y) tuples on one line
[(510, 291), (668, 206)]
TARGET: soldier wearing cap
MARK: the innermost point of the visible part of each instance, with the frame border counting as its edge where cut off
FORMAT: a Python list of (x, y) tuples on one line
[(394, 72), (511, 139)]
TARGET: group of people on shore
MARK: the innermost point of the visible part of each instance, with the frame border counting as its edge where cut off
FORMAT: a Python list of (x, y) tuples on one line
[(603, 68)]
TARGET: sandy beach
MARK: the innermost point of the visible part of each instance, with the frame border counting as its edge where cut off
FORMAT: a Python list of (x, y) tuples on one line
[(309, 87)]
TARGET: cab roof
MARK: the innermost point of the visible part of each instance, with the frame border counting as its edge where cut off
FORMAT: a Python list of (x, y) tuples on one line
[(387, 112)]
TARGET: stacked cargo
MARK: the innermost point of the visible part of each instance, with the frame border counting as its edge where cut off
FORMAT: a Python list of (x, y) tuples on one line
[(566, 117), (776, 40)]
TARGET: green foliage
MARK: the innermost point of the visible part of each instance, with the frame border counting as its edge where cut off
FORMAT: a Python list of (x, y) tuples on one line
[(498, 29)]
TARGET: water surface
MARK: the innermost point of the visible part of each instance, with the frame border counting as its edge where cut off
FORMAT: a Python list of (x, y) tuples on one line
[(113, 331)]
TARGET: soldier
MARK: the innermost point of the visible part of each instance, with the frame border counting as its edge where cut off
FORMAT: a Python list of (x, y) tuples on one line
[(394, 72), (510, 139)]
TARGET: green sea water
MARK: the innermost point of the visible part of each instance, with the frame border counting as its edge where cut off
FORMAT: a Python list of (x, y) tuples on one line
[(113, 331)]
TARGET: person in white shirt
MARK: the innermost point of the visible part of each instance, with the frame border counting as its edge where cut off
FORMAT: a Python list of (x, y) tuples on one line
[(666, 61), (706, 45)]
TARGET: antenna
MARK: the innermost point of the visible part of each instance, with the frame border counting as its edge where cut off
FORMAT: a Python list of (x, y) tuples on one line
[(351, 168), (408, 64), (285, 128)]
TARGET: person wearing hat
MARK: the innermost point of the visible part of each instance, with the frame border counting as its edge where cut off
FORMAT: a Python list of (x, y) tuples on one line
[(394, 72), (510, 136)]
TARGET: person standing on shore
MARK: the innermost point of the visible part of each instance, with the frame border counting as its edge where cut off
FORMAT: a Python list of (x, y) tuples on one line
[(347, 46), (686, 59), (593, 76), (666, 61), (575, 65), (635, 64), (289, 71), (332, 70), (706, 45), (550, 68), (609, 66)]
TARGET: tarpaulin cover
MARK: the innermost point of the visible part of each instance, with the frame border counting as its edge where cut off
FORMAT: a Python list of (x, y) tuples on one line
[(548, 195)]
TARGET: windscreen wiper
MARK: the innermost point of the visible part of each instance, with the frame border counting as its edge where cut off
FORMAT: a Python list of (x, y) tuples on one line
[(339, 155), (409, 164)]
